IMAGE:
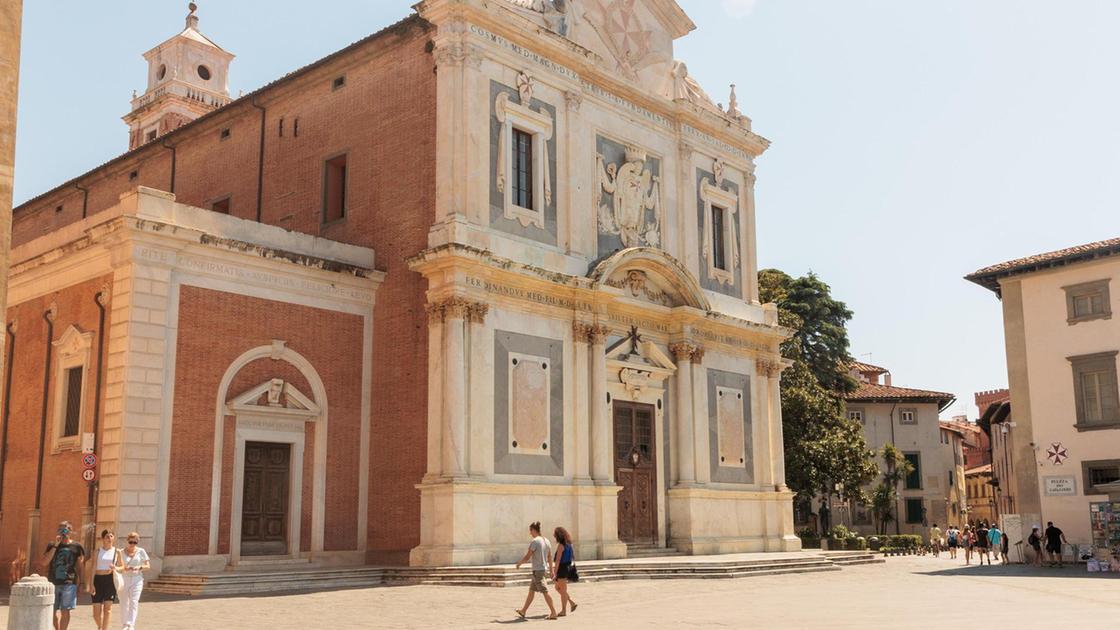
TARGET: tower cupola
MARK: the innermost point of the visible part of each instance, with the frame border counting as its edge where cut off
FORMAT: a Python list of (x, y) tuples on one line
[(188, 76)]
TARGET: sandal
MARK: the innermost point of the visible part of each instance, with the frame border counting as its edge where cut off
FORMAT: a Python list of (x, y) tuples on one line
[(519, 613), (574, 605)]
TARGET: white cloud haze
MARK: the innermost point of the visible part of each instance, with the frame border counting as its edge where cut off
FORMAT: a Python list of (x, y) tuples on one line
[(739, 8)]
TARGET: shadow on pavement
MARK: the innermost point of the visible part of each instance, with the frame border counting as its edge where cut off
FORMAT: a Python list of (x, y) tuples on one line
[(1020, 570)]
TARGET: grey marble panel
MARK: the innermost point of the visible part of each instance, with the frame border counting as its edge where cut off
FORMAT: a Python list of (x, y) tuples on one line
[(726, 474), (706, 281), (506, 462), (497, 199)]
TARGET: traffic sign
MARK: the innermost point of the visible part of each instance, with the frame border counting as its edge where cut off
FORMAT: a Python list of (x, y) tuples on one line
[(89, 460), (89, 474)]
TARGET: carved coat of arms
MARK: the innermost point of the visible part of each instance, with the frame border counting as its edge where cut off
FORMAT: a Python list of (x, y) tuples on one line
[(633, 190)]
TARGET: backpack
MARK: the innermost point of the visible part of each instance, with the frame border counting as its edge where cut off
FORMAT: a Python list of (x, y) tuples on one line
[(62, 565), (952, 537)]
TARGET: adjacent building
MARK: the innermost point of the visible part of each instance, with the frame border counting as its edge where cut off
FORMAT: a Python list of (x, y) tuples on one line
[(493, 264), (1062, 346), (909, 419)]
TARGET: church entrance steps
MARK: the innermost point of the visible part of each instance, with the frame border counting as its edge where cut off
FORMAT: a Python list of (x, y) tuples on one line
[(851, 558), (650, 551), (671, 567)]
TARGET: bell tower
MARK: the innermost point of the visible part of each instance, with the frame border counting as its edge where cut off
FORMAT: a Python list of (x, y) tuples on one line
[(188, 76)]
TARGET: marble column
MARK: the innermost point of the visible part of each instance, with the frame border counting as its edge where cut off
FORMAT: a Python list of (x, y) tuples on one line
[(602, 469), (480, 452), (701, 439), (454, 388), (435, 390), (779, 448), (763, 369), (686, 461), (581, 336), (11, 19)]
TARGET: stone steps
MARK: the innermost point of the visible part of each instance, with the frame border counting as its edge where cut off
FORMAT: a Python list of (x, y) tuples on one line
[(672, 567)]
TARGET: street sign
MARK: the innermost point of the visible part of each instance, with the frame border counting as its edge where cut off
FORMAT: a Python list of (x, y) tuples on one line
[(89, 460), (89, 474), (87, 442)]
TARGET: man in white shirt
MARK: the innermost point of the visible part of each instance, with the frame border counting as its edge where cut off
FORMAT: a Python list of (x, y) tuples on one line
[(540, 553)]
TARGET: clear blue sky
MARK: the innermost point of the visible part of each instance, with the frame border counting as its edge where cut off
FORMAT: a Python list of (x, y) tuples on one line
[(914, 141)]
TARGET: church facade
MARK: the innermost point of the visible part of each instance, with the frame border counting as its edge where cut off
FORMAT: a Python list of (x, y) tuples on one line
[(492, 265)]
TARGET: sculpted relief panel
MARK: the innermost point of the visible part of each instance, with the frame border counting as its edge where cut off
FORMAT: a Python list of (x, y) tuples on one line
[(628, 197)]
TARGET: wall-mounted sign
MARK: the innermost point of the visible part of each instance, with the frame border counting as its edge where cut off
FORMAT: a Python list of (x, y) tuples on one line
[(1060, 486), (87, 442)]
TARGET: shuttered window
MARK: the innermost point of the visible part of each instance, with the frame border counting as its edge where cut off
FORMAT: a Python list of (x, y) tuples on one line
[(72, 419)]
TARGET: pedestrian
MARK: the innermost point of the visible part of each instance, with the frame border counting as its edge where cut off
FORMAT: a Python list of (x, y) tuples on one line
[(935, 540), (995, 538), (65, 570), (1004, 547), (969, 540), (539, 554), (954, 536), (106, 562), (135, 561), (1054, 539), (983, 542), (561, 576), (1035, 541)]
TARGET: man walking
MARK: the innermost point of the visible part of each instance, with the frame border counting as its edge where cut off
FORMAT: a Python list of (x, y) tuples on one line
[(1054, 539), (64, 570), (540, 554), (935, 540), (995, 540), (983, 543)]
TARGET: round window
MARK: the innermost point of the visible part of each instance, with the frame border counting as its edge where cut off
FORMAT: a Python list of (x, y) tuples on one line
[(162, 72), (204, 72)]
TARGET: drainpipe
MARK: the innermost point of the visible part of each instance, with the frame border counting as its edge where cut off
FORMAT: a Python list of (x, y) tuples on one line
[(260, 159), (99, 299), (7, 408), (48, 316), (173, 157), (897, 512), (85, 198)]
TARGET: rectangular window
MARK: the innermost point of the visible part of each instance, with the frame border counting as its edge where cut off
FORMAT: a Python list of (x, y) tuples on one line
[(221, 206), (719, 242), (150, 135), (1087, 301), (914, 511), (1096, 393), (855, 414), (1097, 473), (950, 479), (73, 415), (908, 416), (522, 169), (914, 479), (334, 189)]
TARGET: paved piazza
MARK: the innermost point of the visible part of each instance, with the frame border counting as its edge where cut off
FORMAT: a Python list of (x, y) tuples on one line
[(903, 593)]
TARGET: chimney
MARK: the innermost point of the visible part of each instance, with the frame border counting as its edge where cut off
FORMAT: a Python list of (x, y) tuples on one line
[(887, 379)]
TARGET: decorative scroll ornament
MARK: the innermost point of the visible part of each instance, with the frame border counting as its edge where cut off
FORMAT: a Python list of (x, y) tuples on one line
[(634, 380), (634, 190), (525, 87)]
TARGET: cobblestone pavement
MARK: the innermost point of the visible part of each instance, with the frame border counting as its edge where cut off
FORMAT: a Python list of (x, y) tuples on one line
[(903, 593)]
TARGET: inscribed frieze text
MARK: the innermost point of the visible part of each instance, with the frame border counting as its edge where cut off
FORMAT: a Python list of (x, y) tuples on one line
[(532, 296), (545, 62)]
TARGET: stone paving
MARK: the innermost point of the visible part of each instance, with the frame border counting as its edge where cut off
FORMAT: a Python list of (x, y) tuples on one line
[(907, 592)]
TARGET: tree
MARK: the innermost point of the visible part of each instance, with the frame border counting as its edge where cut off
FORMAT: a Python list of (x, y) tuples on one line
[(823, 448), (821, 340), (885, 497)]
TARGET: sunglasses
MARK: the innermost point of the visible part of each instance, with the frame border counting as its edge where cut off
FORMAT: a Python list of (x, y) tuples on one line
[(134, 542)]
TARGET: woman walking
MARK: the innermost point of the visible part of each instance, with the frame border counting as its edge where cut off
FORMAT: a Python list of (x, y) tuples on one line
[(106, 562), (1035, 541), (565, 555), (135, 562), (968, 539)]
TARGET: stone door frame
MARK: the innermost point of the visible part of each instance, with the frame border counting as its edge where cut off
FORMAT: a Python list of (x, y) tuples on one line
[(253, 427)]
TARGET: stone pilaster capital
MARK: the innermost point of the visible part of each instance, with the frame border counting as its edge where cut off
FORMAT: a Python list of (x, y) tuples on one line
[(597, 334), (476, 312), (770, 368), (698, 355), (458, 54), (581, 332), (683, 350), (574, 100)]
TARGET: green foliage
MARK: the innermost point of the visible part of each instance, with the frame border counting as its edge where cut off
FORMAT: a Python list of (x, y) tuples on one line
[(901, 542), (821, 341), (885, 496), (809, 538), (823, 448)]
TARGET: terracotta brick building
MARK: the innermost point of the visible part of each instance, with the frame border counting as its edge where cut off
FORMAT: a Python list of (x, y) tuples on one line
[(332, 320)]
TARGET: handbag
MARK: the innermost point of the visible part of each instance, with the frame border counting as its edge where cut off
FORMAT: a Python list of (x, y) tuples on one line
[(573, 575), (118, 579)]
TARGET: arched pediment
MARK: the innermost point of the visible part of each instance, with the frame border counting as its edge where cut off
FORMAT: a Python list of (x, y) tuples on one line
[(651, 275)]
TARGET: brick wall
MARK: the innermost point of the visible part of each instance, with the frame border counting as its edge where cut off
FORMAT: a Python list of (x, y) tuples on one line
[(64, 494), (384, 118), (331, 341)]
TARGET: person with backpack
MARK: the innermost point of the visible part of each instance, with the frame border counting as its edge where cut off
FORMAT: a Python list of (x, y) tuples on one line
[(565, 569), (65, 570), (995, 538), (954, 541), (983, 542), (1035, 541)]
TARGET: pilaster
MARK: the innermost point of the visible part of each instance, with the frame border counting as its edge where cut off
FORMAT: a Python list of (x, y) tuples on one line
[(685, 449), (602, 469)]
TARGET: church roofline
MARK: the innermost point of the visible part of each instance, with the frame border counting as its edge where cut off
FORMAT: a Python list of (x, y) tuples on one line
[(243, 100)]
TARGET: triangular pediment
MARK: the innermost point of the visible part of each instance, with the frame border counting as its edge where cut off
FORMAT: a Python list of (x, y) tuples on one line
[(274, 396)]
